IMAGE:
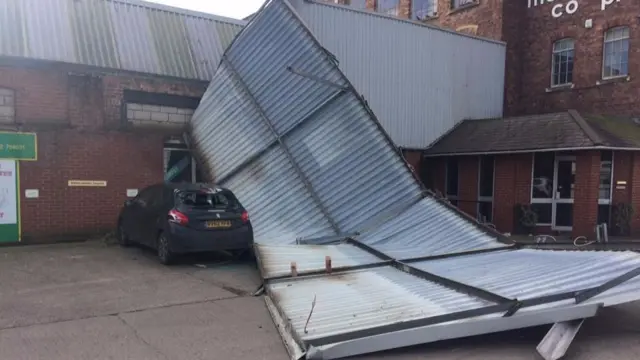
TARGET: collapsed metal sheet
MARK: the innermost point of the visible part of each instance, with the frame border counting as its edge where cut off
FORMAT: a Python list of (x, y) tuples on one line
[(299, 148), (308, 159), (529, 273), (429, 228)]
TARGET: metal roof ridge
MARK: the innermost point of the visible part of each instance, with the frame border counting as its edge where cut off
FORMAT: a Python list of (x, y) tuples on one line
[(587, 129), (178, 10)]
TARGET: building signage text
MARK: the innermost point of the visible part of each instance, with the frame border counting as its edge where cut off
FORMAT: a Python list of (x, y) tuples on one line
[(18, 146), (562, 7)]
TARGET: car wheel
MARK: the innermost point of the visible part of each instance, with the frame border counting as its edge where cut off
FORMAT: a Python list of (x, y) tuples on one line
[(164, 253), (123, 239)]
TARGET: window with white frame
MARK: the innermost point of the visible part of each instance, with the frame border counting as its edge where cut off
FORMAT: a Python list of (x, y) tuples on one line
[(452, 180), (7, 106), (485, 188), (357, 4), (423, 9), (562, 62), (455, 4), (542, 186), (389, 7), (616, 52), (605, 187)]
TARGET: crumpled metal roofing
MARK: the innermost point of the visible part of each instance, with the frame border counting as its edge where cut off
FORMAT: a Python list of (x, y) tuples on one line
[(530, 273), (309, 160), (117, 34), (428, 228)]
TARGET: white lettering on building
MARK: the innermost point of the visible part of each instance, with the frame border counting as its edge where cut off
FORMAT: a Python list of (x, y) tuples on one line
[(567, 7)]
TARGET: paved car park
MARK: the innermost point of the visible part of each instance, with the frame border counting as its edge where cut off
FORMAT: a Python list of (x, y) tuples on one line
[(96, 301)]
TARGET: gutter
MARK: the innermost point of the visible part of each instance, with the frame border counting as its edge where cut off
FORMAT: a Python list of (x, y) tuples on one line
[(528, 151)]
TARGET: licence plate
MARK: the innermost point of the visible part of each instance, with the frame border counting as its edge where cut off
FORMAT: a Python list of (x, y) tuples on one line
[(218, 224)]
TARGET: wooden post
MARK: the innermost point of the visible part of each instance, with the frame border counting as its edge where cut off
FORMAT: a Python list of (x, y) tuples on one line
[(327, 264)]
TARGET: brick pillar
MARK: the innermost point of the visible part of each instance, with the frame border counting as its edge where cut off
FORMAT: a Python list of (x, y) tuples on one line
[(414, 158), (468, 184), (512, 185), (405, 9), (634, 186), (371, 4), (585, 205), (622, 164)]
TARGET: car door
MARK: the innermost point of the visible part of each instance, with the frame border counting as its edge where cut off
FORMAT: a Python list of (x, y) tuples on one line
[(150, 211), (134, 213)]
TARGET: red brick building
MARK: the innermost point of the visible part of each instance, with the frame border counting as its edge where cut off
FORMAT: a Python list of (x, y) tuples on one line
[(109, 104), (568, 149)]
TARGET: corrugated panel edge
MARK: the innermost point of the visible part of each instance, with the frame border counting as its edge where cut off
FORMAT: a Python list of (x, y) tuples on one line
[(407, 21), (181, 11)]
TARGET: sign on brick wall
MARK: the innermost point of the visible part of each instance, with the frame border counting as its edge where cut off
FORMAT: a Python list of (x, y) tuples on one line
[(9, 215), (566, 7), (18, 146)]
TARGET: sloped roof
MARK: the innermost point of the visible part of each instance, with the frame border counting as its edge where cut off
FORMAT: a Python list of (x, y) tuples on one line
[(117, 34), (553, 131)]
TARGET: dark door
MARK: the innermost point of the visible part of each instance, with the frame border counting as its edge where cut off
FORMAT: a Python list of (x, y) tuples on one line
[(131, 216)]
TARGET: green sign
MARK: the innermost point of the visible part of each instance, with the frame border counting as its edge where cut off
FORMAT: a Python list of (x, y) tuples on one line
[(18, 146)]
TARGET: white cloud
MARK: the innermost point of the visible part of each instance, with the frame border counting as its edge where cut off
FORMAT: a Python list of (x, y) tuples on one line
[(230, 8)]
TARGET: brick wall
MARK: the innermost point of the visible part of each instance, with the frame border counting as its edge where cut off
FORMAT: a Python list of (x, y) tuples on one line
[(143, 114), (585, 203), (587, 95), (77, 119)]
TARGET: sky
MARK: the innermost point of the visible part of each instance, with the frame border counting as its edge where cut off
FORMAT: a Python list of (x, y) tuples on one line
[(230, 8)]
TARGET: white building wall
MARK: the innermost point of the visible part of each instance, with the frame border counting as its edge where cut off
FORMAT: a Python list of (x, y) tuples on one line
[(419, 80)]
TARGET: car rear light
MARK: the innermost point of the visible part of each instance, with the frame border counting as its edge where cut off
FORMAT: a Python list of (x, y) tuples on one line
[(245, 217), (177, 217)]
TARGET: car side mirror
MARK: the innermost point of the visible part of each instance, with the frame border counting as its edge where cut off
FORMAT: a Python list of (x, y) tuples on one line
[(128, 203)]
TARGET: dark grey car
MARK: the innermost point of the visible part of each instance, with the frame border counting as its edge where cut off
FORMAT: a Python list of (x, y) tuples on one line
[(185, 218)]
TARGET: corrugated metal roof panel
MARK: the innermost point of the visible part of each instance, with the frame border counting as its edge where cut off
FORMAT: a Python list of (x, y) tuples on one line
[(416, 92), (276, 260), (527, 273), (343, 143), (118, 34), (296, 194), (428, 228), (363, 299), (275, 196)]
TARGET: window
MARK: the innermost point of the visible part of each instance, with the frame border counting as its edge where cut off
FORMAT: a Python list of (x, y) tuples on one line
[(455, 4), (616, 52), (423, 9), (357, 4), (485, 188), (7, 106), (211, 200), (562, 62), (604, 189), (542, 186), (179, 165), (451, 186), (389, 7)]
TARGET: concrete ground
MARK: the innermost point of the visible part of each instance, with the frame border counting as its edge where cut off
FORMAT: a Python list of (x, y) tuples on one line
[(92, 301)]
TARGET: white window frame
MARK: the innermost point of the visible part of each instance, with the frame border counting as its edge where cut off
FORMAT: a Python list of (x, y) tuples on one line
[(541, 200), (604, 54), (456, 4), (607, 201), (389, 11), (432, 3), (485, 199), (553, 58)]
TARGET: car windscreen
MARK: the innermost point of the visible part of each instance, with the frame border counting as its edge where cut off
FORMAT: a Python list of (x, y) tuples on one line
[(208, 200)]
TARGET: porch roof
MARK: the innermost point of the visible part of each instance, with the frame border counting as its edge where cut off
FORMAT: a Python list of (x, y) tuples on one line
[(568, 130)]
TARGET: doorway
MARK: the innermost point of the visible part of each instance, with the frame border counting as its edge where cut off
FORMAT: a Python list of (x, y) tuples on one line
[(563, 193)]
